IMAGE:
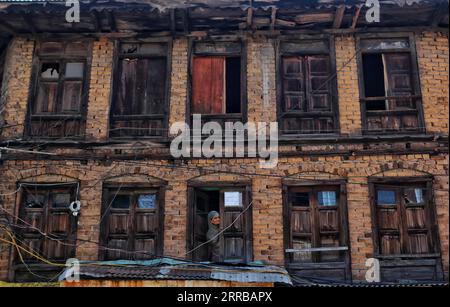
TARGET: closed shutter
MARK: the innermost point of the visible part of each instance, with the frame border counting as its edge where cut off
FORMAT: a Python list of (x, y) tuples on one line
[(236, 237), (208, 77)]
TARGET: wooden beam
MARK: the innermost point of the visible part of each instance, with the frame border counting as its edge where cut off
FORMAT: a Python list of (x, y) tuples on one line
[(439, 12), (112, 21), (173, 29), (6, 27), (355, 17), (338, 16), (96, 20), (186, 22), (273, 18), (249, 17), (29, 22)]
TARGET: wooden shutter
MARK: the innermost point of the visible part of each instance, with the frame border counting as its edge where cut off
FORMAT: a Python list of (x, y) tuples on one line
[(314, 225), (319, 87), (398, 80), (389, 222), (208, 77), (417, 220), (294, 91), (235, 238), (117, 225), (397, 67), (146, 227), (128, 230), (127, 87), (52, 217), (307, 95), (301, 222), (139, 107), (329, 227)]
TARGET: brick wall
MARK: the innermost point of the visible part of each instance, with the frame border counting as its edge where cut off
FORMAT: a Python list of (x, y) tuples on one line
[(261, 81), (266, 191), (97, 119), (267, 195), (178, 89), (432, 57), (348, 90), (16, 86)]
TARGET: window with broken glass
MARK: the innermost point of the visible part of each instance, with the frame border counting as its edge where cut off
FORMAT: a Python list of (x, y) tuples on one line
[(307, 88), (140, 91), (131, 223), (389, 86), (59, 96)]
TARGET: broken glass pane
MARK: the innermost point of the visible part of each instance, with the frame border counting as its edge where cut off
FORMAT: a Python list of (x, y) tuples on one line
[(35, 201), (415, 196), (50, 71)]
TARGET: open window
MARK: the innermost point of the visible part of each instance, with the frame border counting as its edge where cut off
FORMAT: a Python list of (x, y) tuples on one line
[(47, 227), (307, 89), (316, 235), (59, 98), (405, 232), (140, 92), (216, 77), (131, 223), (390, 92), (232, 204)]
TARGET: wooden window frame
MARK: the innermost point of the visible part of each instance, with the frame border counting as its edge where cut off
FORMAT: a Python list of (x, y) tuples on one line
[(245, 187), (304, 39), (168, 42), (15, 265), (415, 79), (60, 117), (398, 184), (344, 237), (132, 189), (220, 118)]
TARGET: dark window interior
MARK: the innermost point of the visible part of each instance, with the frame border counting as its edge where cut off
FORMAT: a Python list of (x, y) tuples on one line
[(233, 85), (374, 80)]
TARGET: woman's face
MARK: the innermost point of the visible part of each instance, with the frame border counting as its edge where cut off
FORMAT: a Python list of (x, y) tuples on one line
[(215, 220)]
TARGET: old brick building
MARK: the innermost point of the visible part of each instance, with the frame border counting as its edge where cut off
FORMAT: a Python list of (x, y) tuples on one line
[(86, 107)]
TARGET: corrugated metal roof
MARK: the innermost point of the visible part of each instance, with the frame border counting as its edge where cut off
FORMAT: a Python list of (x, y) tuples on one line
[(170, 269)]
